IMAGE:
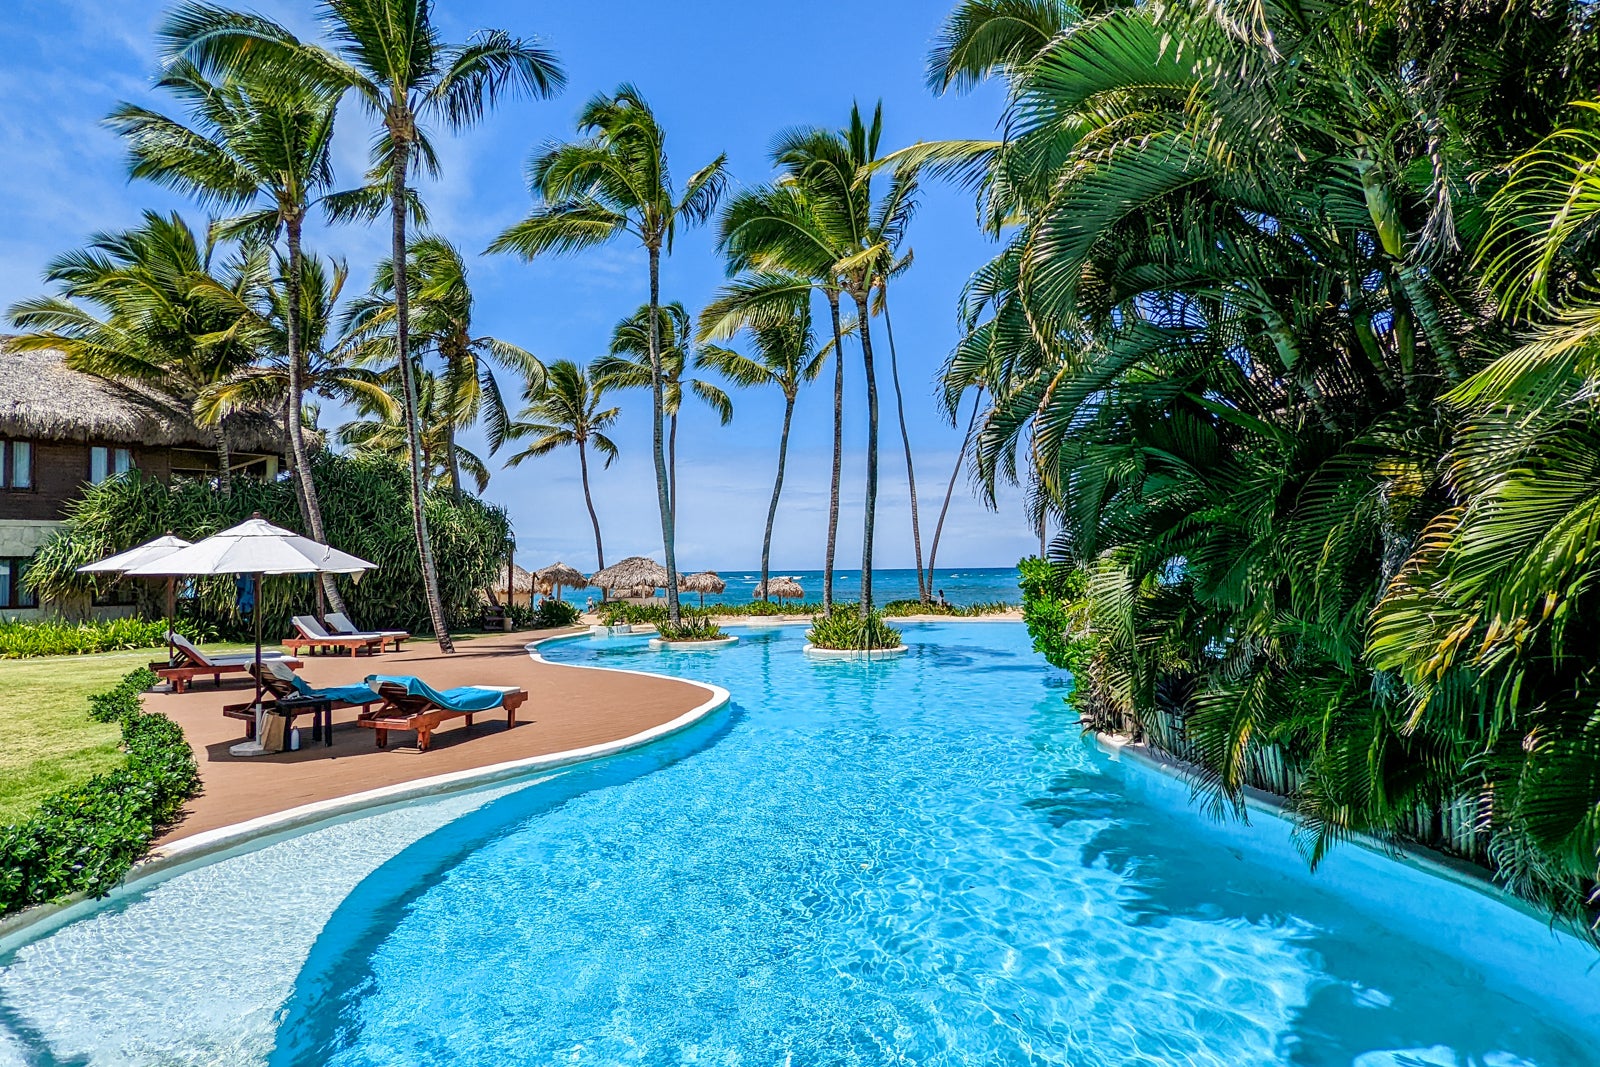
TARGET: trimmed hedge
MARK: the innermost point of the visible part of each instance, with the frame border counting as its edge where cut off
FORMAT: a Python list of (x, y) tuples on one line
[(52, 637), (84, 839)]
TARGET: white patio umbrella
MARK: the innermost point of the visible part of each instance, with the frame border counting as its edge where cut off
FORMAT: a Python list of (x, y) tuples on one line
[(149, 552), (258, 548)]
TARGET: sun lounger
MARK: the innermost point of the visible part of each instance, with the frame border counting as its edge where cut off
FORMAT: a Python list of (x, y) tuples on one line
[(314, 635), (193, 663), (339, 623), (288, 689), (411, 704)]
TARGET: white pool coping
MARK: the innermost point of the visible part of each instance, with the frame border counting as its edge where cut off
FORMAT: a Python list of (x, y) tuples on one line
[(855, 653), (212, 845)]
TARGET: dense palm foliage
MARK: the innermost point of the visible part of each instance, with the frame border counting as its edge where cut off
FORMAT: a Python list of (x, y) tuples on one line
[(1257, 338), (564, 409), (389, 54), (617, 181)]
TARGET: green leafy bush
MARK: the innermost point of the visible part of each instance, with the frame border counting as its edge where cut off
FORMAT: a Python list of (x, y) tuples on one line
[(901, 608), (613, 612), (366, 504), (52, 637), (552, 613), (690, 628), (1054, 605), (84, 839), (844, 628)]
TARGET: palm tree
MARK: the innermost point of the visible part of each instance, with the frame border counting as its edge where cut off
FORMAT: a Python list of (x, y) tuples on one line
[(260, 147), (390, 55), (146, 305), (566, 411), (441, 304), (786, 357), (616, 181), (616, 371), (382, 429)]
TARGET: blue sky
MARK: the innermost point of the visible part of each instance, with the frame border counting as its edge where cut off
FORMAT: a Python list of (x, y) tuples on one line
[(724, 76)]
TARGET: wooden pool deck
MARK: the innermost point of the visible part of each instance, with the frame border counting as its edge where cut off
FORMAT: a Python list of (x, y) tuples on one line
[(568, 708)]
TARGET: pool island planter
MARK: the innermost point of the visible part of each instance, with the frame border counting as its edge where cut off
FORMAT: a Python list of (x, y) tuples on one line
[(661, 644), (854, 653)]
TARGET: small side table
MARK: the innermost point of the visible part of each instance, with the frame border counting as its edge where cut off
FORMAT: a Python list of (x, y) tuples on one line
[(321, 712)]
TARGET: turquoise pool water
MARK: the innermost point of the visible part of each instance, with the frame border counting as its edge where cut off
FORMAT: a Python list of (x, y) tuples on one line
[(912, 862)]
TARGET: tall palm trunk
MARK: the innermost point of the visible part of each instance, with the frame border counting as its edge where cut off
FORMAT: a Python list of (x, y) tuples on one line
[(838, 451), (583, 467), (408, 381), (297, 439), (777, 488), (949, 490), (869, 521), (224, 457), (924, 590), (663, 490), (672, 471), (454, 459)]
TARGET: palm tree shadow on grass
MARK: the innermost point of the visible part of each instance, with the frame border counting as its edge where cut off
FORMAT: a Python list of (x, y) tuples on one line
[(320, 1015)]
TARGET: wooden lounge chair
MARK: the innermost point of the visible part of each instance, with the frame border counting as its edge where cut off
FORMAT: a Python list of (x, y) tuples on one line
[(411, 704), (340, 624), (314, 635), (285, 687), (193, 663)]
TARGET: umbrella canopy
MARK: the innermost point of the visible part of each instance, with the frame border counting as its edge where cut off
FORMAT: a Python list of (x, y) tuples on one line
[(149, 552), (255, 546), (633, 572), (558, 576), (704, 582), (782, 588)]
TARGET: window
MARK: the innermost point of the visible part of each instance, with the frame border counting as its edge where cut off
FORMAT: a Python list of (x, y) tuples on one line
[(12, 592), (16, 464), (105, 462)]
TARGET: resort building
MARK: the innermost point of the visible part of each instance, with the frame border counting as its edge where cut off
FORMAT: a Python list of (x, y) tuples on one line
[(62, 430)]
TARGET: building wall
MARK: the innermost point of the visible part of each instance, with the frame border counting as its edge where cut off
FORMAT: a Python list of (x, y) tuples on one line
[(60, 471)]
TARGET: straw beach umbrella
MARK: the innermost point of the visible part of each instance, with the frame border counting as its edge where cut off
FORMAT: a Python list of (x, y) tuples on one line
[(557, 575), (519, 582), (149, 552), (632, 572), (782, 588), (702, 583)]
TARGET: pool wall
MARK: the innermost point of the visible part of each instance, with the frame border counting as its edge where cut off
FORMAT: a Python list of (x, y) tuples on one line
[(1447, 906)]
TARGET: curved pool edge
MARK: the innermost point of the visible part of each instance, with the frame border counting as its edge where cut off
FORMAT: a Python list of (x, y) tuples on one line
[(210, 846), (1517, 947)]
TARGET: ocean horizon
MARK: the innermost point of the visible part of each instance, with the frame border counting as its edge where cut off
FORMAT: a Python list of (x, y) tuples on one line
[(961, 585)]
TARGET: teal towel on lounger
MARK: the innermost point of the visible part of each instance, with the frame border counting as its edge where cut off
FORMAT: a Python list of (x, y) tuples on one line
[(461, 698), (350, 694)]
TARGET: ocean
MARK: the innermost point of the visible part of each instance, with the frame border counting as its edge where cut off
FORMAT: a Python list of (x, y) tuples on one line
[(961, 585)]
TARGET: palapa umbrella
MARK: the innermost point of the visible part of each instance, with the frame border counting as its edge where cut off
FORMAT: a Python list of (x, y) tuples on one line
[(635, 571), (702, 583), (255, 547), (518, 580), (558, 574), (149, 552), (782, 588)]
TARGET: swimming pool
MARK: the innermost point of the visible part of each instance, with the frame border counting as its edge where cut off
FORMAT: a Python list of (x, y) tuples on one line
[(917, 861)]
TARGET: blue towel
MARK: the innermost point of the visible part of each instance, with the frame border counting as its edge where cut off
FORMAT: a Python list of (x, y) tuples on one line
[(350, 694), (462, 698)]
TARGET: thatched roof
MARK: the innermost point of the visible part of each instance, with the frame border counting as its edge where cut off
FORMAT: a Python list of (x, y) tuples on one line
[(631, 573), (782, 588), (560, 574), (522, 581), (42, 399), (704, 582)]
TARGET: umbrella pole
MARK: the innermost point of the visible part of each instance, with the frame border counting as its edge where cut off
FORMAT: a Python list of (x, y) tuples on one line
[(256, 609), (172, 613)]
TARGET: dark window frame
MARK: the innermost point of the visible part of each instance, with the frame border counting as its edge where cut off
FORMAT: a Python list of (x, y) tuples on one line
[(7, 444), (14, 597), (111, 452)]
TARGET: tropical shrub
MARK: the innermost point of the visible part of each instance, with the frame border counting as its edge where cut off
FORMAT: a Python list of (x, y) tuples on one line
[(53, 637), (614, 612), (903, 608), (84, 839), (689, 628), (366, 512), (844, 628), (552, 613)]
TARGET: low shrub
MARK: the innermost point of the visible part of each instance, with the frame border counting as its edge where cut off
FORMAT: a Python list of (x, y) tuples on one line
[(613, 612), (690, 628), (844, 628), (552, 613), (53, 637), (901, 608), (84, 839)]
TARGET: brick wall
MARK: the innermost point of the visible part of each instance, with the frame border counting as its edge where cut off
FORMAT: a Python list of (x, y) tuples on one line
[(60, 470)]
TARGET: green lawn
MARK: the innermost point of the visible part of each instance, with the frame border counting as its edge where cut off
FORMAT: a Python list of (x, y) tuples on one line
[(47, 740)]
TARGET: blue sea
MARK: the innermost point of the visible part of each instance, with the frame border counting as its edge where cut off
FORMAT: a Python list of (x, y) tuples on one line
[(961, 585)]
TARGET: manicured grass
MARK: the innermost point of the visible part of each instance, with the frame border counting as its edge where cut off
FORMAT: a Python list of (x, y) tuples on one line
[(47, 740)]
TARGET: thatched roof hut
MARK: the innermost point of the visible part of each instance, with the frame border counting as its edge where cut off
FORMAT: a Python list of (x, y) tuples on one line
[(702, 583), (41, 398), (631, 573), (781, 588), (523, 586), (558, 576)]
